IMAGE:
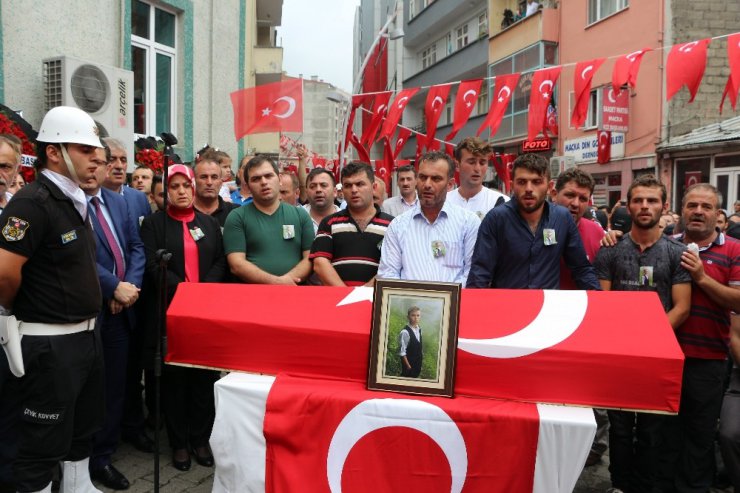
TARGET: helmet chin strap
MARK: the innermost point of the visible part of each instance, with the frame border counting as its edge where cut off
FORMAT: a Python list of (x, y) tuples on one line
[(70, 166)]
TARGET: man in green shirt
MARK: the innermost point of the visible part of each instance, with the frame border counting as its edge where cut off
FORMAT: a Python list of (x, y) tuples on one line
[(268, 241)]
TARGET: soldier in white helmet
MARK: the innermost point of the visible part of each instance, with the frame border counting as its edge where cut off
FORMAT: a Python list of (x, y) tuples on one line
[(49, 281)]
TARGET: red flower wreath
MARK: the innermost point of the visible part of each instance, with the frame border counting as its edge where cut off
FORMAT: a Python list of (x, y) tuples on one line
[(7, 126), (152, 159)]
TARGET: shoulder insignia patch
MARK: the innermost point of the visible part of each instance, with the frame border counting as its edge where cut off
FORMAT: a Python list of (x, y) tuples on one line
[(15, 229)]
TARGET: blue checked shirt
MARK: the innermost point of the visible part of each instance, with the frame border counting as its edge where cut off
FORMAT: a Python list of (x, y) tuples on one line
[(508, 255), (408, 252)]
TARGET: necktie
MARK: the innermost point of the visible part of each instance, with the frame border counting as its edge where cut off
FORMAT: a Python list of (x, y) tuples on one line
[(117, 255)]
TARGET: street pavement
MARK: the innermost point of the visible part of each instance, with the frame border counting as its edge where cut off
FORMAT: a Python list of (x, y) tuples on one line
[(138, 467)]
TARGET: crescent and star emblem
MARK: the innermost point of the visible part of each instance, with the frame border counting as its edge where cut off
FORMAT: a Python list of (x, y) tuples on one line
[(380, 109), (434, 103), (632, 56), (465, 97), (585, 71), (688, 47), (547, 83), (603, 140), (612, 98), (374, 414), (507, 91), (290, 111), (401, 102)]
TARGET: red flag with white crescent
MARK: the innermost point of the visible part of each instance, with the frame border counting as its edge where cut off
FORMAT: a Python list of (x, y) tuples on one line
[(582, 78), (361, 151), (395, 111), (543, 84), (501, 95), (467, 95), (604, 151), (733, 80), (380, 109), (384, 168), (626, 69), (685, 66), (436, 101), (420, 139), (336, 432), (403, 137), (268, 108)]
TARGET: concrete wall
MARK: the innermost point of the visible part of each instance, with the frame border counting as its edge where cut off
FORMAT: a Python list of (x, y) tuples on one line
[(690, 20)]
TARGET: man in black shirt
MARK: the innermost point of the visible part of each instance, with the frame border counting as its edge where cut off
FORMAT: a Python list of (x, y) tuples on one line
[(208, 182), (49, 280)]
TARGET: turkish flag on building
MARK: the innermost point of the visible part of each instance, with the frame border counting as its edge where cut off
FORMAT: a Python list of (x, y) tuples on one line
[(361, 150), (503, 89), (420, 139), (582, 78), (502, 165), (733, 80), (357, 101), (268, 108), (380, 109), (685, 66), (543, 83), (626, 68), (395, 111), (403, 136), (436, 100), (467, 95), (604, 151), (333, 432), (384, 168)]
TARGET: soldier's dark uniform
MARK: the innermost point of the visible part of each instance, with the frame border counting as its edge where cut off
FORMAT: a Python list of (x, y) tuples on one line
[(61, 395)]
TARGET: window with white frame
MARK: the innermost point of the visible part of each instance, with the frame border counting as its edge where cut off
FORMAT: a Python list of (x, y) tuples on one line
[(593, 115), (461, 36), (153, 61), (483, 24), (482, 103), (598, 9), (429, 56)]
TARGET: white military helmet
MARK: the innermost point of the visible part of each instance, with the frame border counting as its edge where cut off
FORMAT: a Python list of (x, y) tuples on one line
[(68, 125)]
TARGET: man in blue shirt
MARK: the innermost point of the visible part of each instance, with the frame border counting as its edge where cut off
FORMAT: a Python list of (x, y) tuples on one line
[(520, 243)]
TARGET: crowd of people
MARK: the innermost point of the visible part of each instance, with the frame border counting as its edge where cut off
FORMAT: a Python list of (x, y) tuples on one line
[(81, 279)]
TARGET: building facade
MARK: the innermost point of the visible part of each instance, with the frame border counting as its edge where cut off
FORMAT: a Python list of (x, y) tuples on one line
[(181, 59)]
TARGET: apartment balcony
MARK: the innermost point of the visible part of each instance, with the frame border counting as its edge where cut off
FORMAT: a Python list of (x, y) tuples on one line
[(469, 62), (422, 28), (268, 64), (541, 26)]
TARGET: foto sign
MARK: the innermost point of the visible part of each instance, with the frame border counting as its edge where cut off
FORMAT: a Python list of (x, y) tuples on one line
[(537, 145), (585, 149), (615, 113)]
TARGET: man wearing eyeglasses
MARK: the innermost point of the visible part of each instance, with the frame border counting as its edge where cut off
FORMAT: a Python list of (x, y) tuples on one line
[(10, 160)]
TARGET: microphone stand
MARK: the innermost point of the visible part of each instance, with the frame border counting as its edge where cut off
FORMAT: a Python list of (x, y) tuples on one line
[(163, 257)]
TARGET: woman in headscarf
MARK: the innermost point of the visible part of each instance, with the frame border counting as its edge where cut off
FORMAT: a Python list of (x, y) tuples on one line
[(194, 240)]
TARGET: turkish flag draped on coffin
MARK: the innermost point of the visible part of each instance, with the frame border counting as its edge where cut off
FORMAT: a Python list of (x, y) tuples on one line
[(626, 69), (268, 108), (733, 80), (436, 100), (582, 78), (342, 431), (504, 88), (573, 358), (467, 95), (395, 111), (543, 83), (685, 66)]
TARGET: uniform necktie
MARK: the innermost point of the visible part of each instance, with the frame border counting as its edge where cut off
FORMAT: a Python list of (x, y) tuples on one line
[(117, 255)]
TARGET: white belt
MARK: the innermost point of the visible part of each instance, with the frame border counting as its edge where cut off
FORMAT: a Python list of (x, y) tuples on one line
[(33, 329)]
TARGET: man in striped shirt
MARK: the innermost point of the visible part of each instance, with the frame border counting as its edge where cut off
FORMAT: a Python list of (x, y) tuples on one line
[(346, 250), (434, 241)]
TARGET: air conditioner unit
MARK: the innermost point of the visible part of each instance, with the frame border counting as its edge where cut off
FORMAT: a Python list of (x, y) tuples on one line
[(558, 164), (105, 93)]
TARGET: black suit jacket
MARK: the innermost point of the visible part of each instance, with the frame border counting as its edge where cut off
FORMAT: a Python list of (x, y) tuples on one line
[(211, 258)]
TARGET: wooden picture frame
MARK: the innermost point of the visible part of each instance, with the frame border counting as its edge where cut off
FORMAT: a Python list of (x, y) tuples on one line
[(428, 367)]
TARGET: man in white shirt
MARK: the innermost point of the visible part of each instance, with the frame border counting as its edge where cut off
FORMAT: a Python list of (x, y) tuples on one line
[(434, 241), (472, 155), (406, 199), (10, 160)]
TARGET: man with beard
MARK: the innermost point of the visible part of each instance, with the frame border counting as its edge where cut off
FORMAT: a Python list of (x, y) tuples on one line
[(704, 338), (346, 251), (434, 240), (407, 198), (521, 242), (320, 193), (645, 260), (268, 241), (207, 186)]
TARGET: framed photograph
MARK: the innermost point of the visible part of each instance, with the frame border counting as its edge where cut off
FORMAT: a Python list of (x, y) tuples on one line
[(413, 343)]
